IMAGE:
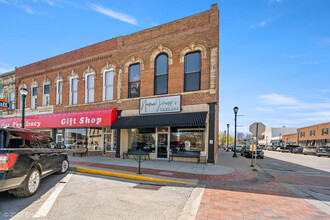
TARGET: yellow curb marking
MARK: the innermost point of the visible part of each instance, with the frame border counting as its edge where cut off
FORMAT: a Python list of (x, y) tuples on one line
[(130, 176)]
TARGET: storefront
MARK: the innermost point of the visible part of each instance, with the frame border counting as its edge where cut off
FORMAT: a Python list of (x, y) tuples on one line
[(161, 128), (86, 129)]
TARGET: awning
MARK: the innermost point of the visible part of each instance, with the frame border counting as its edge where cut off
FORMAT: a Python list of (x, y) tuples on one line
[(276, 141), (102, 117), (196, 119)]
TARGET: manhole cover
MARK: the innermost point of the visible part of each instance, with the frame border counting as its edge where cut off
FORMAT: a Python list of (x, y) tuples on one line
[(148, 186)]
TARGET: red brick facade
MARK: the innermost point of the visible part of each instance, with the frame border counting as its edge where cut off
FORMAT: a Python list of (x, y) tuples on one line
[(310, 136), (199, 32)]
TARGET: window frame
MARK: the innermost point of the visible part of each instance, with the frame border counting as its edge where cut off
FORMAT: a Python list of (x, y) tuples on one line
[(11, 102), (44, 96), (312, 133), (159, 75), (105, 86), (35, 98), (88, 89), (71, 92), (129, 82), (187, 73), (59, 96)]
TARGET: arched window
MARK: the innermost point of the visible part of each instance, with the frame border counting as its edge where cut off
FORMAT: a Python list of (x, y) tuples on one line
[(134, 81), (161, 74), (192, 71)]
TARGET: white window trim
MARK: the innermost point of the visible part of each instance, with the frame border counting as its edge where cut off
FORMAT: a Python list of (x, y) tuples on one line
[(44, 95), (70, 97), (10, 101), (104, 89), (33, 97), (57, 93), (86, 88)]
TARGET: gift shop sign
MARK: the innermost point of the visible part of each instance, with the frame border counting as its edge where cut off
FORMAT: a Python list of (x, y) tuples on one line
[(103, 117), (160, 105)]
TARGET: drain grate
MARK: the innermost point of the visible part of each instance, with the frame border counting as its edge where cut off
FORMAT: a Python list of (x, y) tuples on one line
[(148, 186)]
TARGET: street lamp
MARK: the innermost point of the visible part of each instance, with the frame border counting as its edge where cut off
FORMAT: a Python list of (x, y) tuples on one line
[(23, 92), (298, 137), (235, 111), (227, 136)]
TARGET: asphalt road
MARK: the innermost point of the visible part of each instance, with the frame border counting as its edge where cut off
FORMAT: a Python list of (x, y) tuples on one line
[(82, 196)]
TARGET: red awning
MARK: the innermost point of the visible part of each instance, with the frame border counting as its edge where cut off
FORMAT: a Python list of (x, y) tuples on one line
[(102, 117)]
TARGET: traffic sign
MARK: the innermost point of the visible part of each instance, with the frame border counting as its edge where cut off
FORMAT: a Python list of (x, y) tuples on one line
[(253, 128), (3, 104)]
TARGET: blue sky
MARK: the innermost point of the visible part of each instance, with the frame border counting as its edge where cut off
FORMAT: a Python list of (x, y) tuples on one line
[(274, 54)]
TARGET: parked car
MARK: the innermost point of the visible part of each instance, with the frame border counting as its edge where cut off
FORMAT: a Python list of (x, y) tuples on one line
[(298, 150), (322, 151), (25, 158), (275, 147), (238, 148), (285, 149), (291, 147), (309, 150), (278, 148), (269, 147), (246, 152)]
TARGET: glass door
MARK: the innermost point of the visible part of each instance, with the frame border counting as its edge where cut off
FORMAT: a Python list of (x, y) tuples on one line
[(162, 145)]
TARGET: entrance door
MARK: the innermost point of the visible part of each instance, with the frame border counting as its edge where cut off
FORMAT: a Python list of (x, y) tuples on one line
[(162, 145)]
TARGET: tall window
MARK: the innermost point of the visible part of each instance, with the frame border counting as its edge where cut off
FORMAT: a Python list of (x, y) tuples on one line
[(192, 71), (312, 133), (161, 74), (11, 99), (59, 93), (325, 131), (34, 100), (45, 96), (134, 81), (108, 85), (74, 91), (90, 88)]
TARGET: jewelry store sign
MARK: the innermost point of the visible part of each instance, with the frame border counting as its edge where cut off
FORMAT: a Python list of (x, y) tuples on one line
[(158, 105)]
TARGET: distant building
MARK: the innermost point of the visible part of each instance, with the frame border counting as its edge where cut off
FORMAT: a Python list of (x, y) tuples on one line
[(273, 136), (315, 135), (7, 92)]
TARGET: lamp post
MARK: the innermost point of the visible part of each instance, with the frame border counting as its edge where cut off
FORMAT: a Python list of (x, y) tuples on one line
[(224, 137), (23, 92), (235, 111), (298, 137), (227, 136)]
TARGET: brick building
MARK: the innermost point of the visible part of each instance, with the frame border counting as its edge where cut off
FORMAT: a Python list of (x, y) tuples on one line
[(315, 135), (156, 89)]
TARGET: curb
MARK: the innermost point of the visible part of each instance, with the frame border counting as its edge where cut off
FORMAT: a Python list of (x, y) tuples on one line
[(128, 176)]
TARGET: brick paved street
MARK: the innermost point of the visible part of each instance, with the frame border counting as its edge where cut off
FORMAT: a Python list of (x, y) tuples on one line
[(270, 200)]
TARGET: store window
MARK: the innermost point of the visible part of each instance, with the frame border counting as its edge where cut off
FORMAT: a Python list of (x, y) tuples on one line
[(11, 99), (76, 138), (109, 139), (134, 81), (59, 90), (74, 91), (192, 71), (34, 100), (89, 88), (45, 95), (161, 74), (108, 85), (94, 138), (187, 139), (143, 137)]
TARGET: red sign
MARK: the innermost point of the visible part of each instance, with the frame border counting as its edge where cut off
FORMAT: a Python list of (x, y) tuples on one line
[(102, 117)]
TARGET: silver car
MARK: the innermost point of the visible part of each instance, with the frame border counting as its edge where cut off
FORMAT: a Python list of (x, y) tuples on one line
[(322, 151), (309, 150)]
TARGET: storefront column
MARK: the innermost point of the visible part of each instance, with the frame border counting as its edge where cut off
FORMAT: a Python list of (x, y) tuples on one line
[(210, 158), (118, 137)]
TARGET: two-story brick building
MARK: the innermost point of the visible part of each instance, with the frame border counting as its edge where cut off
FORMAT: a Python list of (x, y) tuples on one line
[(157, 88), (315, 135)]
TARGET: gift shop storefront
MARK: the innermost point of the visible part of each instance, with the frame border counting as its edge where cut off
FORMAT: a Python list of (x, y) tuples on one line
[(85, 129)]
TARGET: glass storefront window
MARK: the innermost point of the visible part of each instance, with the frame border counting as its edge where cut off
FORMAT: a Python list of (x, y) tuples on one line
[(187, 139), (47, 132), (94, 138), (109, 139), (143, 137), (75, 138)]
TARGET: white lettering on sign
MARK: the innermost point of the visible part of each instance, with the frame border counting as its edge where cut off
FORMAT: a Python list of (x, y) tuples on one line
[(68, 121), (87, 120)]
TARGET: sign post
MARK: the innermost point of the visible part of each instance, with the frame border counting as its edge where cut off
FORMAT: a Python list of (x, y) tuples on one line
[(256, 128)]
